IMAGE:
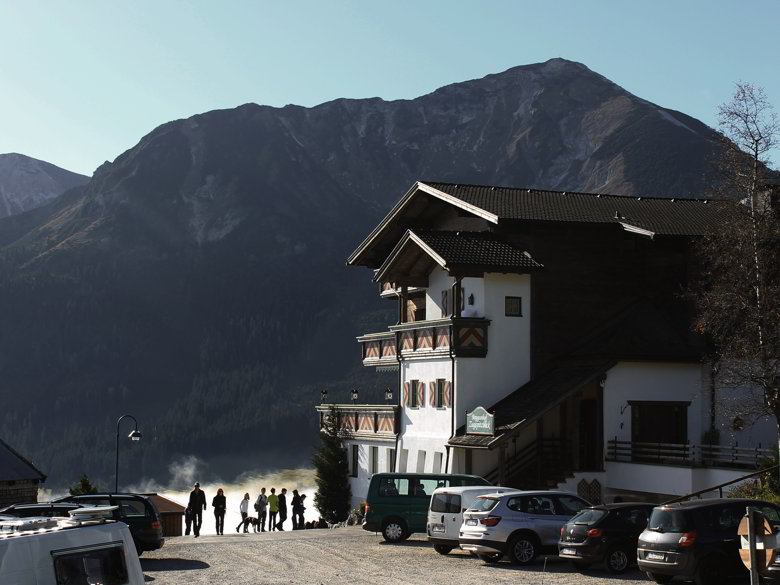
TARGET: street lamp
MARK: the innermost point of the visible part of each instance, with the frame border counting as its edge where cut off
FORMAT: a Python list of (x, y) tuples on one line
[(135, 435), (388, 395), (354, 396)]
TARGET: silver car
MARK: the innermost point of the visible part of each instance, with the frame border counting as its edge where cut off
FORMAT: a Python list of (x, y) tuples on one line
[(518, 524)]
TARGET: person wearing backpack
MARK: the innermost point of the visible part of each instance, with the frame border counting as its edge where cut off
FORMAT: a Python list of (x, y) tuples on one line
[(261, 507)]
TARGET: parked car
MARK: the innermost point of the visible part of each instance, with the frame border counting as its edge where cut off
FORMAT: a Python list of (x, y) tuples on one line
[(445, 514), (518, 524), (606, 533), (697, 539), (137, 511), (397, 503), (43, 510), (83, 549)]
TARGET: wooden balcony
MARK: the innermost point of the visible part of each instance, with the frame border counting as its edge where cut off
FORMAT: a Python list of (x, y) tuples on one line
[(463, 337), (687, 455), (365, 421)]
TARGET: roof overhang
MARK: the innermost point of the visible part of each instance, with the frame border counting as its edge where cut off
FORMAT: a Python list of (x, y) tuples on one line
[(391, 220)]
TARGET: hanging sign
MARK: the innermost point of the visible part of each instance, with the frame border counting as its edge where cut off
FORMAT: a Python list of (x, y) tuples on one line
[(479, 422)]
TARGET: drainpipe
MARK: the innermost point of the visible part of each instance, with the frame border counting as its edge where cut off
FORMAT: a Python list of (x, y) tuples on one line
[(452, 398), (400, 396)]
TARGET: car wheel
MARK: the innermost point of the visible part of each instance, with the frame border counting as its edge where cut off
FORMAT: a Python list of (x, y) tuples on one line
[(710, 571), (580, 565), (658, 578), (489, 557), (394, 530), (523, 549), (617, 560), (442, 549)]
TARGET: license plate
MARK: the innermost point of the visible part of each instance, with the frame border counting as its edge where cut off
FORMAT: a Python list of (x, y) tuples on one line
[(654, 556), (437, 527), (471, 522), (568, 551)]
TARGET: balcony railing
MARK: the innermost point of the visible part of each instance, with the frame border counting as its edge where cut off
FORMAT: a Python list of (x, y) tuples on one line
[(376, 421), (687, 455), (465, 337)]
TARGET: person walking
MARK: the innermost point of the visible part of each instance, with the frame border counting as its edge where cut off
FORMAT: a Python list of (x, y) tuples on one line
[(187, 521), (301, 509), (273, 509), (197, 504), (296, 502), (244, 509), (282, 509), (261, 506), (219, 504)]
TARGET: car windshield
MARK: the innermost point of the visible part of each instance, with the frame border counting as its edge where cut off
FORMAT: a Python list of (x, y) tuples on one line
[(483, 504), (588, 517), (668, 520)]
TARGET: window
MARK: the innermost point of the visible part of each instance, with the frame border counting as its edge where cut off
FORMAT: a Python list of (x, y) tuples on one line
[(354, 467), (413, 390), (373, 459), (131, 507), (437, 459), (659, 422), (391, 460), (101, 565), (513, 306), (440, 393), (569, 505), (423, 488), (394, 487), (420, 461)]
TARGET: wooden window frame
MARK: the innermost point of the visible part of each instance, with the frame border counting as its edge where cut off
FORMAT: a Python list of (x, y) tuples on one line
[(507, 300)]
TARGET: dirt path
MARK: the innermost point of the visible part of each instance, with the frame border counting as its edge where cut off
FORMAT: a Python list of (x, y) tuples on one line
[(342, 557)]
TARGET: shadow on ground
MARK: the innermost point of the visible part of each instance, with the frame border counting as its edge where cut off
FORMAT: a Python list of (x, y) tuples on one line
[(172, 565)]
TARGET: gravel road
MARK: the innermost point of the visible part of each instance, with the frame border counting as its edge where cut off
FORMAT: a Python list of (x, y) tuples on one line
[(344, 556)]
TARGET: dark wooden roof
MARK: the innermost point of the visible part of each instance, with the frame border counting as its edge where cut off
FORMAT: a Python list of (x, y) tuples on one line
[(647, 216), (531, 401), (460, 253), (14, 467)]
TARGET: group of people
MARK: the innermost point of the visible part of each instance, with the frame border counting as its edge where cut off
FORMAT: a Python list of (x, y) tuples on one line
[(271, 508)]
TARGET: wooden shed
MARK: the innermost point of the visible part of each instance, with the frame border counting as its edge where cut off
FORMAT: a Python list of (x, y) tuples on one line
[(19, 478), (171, 514)]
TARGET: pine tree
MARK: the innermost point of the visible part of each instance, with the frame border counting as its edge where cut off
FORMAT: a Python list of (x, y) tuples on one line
[(334, 496), (83, 486)]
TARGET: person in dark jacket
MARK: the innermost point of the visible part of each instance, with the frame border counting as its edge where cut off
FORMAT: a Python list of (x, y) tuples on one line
[(298, 511), (197, 504), (295, 504), (219, 504), (187, 521), (282, 508)]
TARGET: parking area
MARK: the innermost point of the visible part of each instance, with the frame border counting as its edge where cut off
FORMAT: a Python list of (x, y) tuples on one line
[(344, 556)]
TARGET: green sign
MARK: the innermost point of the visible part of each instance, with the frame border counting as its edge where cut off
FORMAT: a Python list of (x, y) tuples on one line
[(479, 422)]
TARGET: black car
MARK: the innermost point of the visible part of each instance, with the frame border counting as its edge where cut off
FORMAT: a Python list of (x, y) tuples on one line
[(137, 511), (697, 539), (606, 533)]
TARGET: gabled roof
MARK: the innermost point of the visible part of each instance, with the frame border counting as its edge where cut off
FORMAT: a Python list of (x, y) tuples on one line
[(14, 467), (648, 216), (525, 405), (459, 253)]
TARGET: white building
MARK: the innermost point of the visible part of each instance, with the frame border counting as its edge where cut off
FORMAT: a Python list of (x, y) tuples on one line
[(560, 313)]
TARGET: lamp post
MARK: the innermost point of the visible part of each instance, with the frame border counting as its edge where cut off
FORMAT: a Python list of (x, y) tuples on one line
[(135, 435)]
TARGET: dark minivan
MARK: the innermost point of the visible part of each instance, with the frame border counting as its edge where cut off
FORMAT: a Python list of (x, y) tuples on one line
[(697, 539), (397, 503), (607, 533), (138, 512)]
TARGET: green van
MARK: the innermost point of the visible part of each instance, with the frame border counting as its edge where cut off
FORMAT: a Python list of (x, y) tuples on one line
[(397, 503)]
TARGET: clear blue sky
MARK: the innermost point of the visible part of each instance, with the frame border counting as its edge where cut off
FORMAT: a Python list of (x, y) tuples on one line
[(82, 81)]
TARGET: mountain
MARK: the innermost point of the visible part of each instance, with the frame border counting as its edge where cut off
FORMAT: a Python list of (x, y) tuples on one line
[(198, 281), (26, 183)]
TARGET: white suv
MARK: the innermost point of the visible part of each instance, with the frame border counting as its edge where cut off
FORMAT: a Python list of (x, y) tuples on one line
[(445, 513), (519, 524)]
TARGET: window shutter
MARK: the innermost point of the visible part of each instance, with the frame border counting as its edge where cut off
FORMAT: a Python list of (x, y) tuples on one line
[(448, 393), (406, 393), (432, 393), (421, 394)]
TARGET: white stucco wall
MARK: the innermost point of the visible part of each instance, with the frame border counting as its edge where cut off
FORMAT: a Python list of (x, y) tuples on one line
[(507, 366), (439, 281), (671, 382), (359, 484)]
